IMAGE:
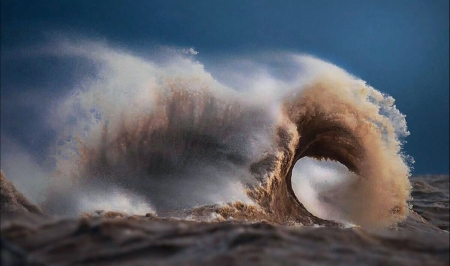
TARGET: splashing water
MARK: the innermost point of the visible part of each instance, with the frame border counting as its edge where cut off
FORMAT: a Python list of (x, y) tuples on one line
[(160, 135)]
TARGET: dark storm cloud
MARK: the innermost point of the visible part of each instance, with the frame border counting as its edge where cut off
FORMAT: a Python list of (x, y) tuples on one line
[(399, 47)]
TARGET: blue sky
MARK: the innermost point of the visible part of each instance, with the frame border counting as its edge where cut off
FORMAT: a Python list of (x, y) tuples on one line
[(399, 47)]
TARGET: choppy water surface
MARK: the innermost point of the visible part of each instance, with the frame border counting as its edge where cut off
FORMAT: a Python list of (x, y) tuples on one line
[(112, 238), (431, 199)]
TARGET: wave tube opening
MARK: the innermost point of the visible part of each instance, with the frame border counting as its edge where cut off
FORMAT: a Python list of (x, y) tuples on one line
[(319, 186)]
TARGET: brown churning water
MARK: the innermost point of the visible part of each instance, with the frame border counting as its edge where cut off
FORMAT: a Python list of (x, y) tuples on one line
[(170, 135)]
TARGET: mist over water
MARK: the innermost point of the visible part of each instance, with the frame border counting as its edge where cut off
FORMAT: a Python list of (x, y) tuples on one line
[(160, 133), (318, 185)]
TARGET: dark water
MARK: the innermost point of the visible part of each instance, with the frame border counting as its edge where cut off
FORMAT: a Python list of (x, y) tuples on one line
[(431, 199), (118, 239)]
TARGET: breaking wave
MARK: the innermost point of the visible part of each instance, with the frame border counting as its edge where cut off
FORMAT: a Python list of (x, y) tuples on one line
[(168, 136)]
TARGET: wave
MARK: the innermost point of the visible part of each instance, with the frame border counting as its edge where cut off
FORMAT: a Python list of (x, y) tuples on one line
[(167, 136)]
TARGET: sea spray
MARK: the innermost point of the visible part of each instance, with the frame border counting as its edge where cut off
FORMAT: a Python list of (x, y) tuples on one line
[(166, 135)]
